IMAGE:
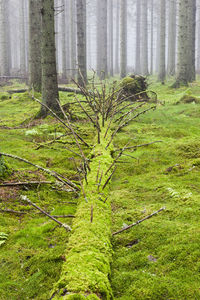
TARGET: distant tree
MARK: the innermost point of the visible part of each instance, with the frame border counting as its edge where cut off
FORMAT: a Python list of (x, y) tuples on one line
[(81, 41), (138, 38), (111, 37), (35, 27), (144, 38), (186, 42), (63, 24), (162, 73), (123, 38), (191, 39), (4, 55), (172, 37), (152, 35), (22, 38), (117, 38), (50, 95), (72, 8)]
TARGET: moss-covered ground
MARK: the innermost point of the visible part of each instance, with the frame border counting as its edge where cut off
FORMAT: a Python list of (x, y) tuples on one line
[(158, 259)]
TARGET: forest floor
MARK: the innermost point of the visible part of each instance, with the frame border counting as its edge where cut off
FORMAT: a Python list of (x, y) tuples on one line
[(158, 259)]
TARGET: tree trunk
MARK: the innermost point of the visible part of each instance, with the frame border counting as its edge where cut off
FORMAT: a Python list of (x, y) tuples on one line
[(49, 76), (81, 42), (73, 39), (144, 39), (111, 36), (191, 39), (162, 73), (22, 39), (35, 26), (123, 38), (63, 22), (4, 66), (117, 39), (171, 38), (183, 61), (102, 65), (138, 36), (152, 36)]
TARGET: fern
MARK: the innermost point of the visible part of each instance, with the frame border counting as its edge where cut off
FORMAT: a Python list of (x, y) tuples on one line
[(3, 238)]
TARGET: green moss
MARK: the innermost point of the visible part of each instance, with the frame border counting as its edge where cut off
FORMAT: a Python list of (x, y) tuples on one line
[(5, 170)]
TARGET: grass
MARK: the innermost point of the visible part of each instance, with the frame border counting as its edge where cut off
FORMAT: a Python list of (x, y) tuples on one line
[(163, 262)]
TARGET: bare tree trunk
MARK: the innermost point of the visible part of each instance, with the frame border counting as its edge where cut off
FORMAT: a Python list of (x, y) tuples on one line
[(172, 38), (138, 38), (73, 39), (50, 95), (152, 36), (35, 26), (183, 61), (191, 39), (4, 66), (81, 41), (111, 36), (144, 39), (198, 40), (63, 22), (22, 38), (162, 72), (123, 38), (102, 64), (117, 39)]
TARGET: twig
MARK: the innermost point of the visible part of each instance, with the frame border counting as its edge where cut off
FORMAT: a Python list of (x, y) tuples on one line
[(140, 221), (25, 183), (25, 198), (12, 211), (52, 173), (138, 146), (107, 181), (91, 218)]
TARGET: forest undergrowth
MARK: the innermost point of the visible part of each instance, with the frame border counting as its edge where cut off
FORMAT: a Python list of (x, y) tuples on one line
[(158, 259)]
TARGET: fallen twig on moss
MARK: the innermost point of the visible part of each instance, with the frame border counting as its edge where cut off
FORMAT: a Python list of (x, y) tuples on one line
[(24, 183), (25, 198), (59, 177), (138, 222), (12, 211)]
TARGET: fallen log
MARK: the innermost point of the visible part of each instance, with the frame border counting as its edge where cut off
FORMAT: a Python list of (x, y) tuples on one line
[(60, 89)]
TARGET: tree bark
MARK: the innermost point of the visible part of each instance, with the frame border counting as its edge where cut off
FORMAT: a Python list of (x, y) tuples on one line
[(35, 26), (22, 38), (144, 39), (111, 37), (49, 76), (172, 38), (117, 39), (123, 38), (81, 42), (162, 73), (138, 37), (4, 58)]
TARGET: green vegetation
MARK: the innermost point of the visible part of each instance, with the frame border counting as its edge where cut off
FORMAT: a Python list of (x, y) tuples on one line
[(158, 259)]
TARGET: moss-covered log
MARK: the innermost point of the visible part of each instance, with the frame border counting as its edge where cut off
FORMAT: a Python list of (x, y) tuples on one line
[(85, 273)]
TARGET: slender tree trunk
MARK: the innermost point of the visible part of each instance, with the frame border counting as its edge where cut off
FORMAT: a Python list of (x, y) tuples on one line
[(4, 66), (73, 39), (123, 38), (144, 39), (49, 76), (22, 38), (172, 38), (162, 73), (111, 36), (198, 40), (117, 39), (35, 26), (183, 61), (191, 39), (63, 22), (152, 36), (102, 64), (81, 41), (138, 38)]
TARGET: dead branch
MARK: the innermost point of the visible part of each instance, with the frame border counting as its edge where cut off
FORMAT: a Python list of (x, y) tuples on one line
[(138, 222), (25, 198), (24, 183), (138, 146), (12, 211), (52, 173), (107, 181)]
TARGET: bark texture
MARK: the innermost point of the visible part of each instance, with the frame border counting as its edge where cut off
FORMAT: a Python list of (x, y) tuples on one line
[(172, 38), (161, 74), (138, 36), (4, 57), (144, 39), (81, 41), (49, 76), (123, 38), (35, 27)]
